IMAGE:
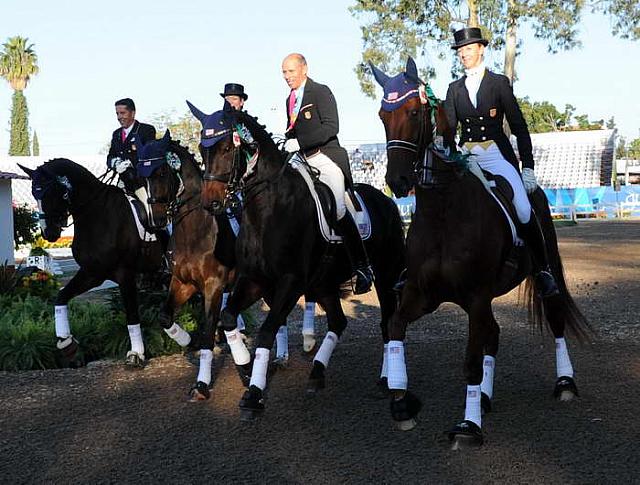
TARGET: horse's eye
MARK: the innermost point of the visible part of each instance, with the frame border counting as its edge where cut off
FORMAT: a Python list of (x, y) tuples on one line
[(414, 112)]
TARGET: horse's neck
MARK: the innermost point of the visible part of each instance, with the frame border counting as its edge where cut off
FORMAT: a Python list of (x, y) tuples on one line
[(191, 178), (268, 167), (86, 190)]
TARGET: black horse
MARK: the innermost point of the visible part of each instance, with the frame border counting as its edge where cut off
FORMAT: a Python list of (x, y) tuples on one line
[(282, 255), (460, 249), (106, 243), (202, 251)]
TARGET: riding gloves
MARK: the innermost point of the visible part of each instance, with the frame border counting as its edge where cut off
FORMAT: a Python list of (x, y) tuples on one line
[(292, 145), (529, 180)]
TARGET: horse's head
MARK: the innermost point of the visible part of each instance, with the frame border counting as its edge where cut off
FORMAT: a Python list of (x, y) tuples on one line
[(52, 193), (220, 148), (158, 167), (408, 113)]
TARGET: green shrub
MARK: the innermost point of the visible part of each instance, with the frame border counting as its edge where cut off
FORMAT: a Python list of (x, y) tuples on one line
[(25, 225), (39, 284)]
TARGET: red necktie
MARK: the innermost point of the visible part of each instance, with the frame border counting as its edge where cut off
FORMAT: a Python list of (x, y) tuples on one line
[(292, 107), (123, 135)]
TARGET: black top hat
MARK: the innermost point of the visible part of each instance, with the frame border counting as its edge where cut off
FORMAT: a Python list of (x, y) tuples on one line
[(232, 89), (469, 35)]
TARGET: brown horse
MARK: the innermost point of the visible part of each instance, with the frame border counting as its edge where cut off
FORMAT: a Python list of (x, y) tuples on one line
[(201, 255), (460, 249)]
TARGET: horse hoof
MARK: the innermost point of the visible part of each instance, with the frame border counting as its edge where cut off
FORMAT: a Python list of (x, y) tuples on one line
[(406, 425), (68, 347), (199, 392), (485, 404), (251, 404), (308, 342), (314, 385), (465, 435), (134, 361), (404, 410), (565, 389)]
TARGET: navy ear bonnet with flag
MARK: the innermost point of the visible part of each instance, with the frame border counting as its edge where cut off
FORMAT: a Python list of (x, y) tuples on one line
[(216, 126), (152, 155), (400, 88)]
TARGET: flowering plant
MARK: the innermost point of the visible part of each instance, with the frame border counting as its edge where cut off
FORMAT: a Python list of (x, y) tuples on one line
[(39, 283)]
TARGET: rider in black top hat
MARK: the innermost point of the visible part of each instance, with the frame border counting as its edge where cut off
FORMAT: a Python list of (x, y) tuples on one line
[(479, 102), (235, 95)]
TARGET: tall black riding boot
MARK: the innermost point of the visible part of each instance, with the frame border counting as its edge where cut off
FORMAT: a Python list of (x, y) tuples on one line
[(534, 238), (357, 254)]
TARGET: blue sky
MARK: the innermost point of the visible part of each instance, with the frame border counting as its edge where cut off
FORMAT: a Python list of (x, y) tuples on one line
[(161, 53)]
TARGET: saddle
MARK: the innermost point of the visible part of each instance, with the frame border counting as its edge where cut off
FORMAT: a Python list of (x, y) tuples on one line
[(141, 218), (326, 205), (501, 191)]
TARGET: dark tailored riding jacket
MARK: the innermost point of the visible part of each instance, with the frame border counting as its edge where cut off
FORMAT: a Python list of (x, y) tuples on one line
[(127, 150), (317, 126), (495, 100)]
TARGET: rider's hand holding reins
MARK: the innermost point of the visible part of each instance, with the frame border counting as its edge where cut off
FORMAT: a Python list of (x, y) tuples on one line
[(529, 180)]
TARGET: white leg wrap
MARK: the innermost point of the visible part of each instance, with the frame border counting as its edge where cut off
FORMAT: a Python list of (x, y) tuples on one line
[(308, 324), (326, 349), (259, 372), (396, 367), (563, 362), (239, 350), (282, 342), (472, 411), (62, 321), (488, 365), (135, 335), (178, 334), (385, 361), (204, 372)]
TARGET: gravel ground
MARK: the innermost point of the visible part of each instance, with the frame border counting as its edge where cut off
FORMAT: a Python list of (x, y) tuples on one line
[(104, 424)]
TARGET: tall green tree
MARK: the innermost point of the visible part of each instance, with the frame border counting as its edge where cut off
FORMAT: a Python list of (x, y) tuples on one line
[(18, 63), (35, 145), (394, 29)]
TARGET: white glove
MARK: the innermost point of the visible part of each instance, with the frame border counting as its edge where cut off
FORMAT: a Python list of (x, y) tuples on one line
[(291, 145), (529, 180), (121, 165)]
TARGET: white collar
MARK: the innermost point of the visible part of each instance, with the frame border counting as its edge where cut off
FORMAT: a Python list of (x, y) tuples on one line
[(128, 130), (475, 71)]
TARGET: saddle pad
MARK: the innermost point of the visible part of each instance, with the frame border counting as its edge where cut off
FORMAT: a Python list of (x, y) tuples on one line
[(142, 232), (475, 169), (362, 219)]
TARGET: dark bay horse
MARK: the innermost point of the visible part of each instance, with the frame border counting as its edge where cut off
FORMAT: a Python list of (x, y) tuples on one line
[(282, 255), (460, 249), (106, 243), (202, 251)]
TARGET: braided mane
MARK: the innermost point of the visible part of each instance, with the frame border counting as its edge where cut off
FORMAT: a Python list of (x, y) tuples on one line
[(260, 134)]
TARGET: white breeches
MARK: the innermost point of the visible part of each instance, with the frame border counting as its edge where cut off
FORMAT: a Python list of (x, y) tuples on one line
[(331, 175), (493, 162)]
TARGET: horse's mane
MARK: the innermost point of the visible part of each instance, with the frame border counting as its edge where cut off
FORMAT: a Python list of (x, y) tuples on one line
[(259, 133), (64, 166)]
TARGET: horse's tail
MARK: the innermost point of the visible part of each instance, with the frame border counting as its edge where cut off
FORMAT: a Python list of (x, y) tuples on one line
[(561, 311)]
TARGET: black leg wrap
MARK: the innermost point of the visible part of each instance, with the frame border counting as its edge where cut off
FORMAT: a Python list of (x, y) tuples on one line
[(251, 404), (199, 392), (316, 378), (565, 384), (466, 434), (406, 408)]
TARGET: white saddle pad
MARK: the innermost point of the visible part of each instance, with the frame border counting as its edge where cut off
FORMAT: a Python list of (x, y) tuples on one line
[(142, 232), (362, 219)]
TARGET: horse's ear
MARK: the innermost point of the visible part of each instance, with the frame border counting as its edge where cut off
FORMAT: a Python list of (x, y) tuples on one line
[(411, 70), (380, 76), (26, 170), (167, 136), (196, 112)]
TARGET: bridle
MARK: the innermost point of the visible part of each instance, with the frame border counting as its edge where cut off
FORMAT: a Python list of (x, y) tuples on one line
[(173, 199), (59, 218)]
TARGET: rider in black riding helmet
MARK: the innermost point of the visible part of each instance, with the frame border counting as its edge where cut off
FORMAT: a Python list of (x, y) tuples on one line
[(122, 157), (312, 128)]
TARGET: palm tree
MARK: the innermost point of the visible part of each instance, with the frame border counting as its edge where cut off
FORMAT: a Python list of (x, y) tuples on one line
[(18, 63)]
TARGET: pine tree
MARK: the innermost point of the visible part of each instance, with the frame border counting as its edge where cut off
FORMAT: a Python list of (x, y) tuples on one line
[(19, 145), (35, 145)]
